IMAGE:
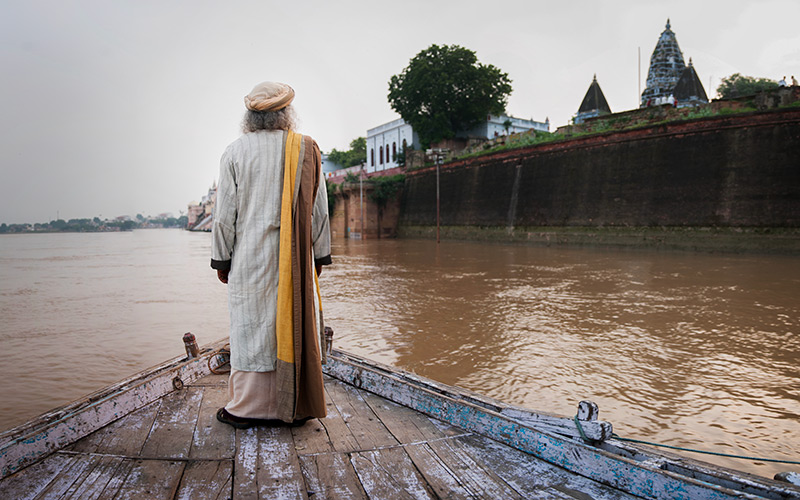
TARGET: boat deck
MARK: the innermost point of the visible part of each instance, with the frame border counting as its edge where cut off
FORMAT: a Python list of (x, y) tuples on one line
[(367, 447)]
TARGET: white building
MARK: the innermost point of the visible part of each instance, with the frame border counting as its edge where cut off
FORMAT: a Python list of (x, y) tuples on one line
[(497, 125), (385, 141)]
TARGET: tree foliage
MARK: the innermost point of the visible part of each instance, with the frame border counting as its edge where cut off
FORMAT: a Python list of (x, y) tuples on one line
[(445, 90), (738, 85), (385, 188), (356, 155)]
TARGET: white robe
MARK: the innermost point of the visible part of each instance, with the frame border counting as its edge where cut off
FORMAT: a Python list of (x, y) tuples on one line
[(246, 231)]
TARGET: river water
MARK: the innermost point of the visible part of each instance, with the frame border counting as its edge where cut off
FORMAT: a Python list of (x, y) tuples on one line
[(693, 350)]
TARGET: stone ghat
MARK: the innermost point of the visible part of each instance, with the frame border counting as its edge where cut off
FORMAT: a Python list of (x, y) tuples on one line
[(733, 171)]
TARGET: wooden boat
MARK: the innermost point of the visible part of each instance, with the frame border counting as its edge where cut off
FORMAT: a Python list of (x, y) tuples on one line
[(388, 434)]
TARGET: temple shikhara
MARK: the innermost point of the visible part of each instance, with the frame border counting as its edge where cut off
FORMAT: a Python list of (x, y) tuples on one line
[(670, 80)]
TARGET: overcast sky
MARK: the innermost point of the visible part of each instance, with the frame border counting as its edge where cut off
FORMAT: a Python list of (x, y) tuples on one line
[(122, 107)]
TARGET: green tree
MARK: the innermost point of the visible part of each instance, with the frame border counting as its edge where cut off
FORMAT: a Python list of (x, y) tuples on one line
[(738, 85), (356, 155), (445, 90)]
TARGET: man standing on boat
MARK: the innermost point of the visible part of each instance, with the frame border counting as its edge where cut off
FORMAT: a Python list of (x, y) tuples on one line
[(270, 239)]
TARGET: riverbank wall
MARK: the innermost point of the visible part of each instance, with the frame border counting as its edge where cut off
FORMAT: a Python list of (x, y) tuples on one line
[(727, 182)]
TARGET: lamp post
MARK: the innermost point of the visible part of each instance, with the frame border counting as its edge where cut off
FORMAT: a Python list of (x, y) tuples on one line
[(438, 155), (361, 197)]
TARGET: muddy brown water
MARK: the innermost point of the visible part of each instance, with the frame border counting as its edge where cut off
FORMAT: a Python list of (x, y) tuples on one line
[(693, 350)]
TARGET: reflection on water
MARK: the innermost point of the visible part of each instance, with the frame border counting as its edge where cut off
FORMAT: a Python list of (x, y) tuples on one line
[(682, 349)]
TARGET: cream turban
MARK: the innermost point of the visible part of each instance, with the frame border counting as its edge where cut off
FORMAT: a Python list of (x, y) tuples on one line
[(269, 96)]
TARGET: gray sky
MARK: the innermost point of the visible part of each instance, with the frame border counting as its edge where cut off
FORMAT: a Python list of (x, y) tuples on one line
[(123, 107)]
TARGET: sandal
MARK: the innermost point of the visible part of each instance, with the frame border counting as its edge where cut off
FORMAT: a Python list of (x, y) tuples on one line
[(232, 420)]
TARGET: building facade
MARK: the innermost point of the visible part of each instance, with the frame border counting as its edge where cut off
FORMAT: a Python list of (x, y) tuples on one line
[(386, 141)]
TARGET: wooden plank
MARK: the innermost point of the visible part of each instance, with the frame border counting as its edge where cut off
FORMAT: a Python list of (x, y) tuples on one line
[(117, 481), (312, 437), (331, 476), (267, 465), (68, 476), (151, 479), (534, 478), (409, 426), (336, 429), (124, 437), (363, 424), (639, 478), (389, 473), (440, 478), (212, 439), (479, 480), (29, 482), (173, 428), (25, 444), (93, 481), (206, 480)]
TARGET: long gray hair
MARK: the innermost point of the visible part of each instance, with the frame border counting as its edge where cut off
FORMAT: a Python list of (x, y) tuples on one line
[(283, 119)]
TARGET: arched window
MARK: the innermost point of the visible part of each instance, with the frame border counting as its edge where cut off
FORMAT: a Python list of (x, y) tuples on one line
[(371, 157), (381, 154), (394, 151), (387, 153)]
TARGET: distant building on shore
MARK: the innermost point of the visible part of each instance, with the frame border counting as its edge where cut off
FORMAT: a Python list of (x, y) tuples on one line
[(200, 215), (385, 142)]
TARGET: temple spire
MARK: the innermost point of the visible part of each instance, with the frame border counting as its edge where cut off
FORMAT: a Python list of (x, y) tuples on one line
[(666, 66)]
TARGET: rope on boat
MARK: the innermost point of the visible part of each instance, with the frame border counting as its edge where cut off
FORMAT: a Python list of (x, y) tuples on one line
[(223, 354), (728, 455)]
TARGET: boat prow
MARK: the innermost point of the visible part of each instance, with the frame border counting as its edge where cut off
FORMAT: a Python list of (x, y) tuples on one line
[(388, 434)]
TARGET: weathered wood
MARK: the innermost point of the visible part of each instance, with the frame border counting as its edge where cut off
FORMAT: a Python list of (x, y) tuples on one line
[(151, 479), (683, 466), (91, 485), (535, 478), (206, 480), (339, 435), (594, 429), (479, 481), (63, 426), (405, 424), (367, 429), (431, 440), (440, 478), (267, 465), (117, 480), (312, 437), (212, 439), (331, 476), (28, 483), (389, 473), (280, 475), (173, 428), (66, 478), (125, 437), (639, 478)]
